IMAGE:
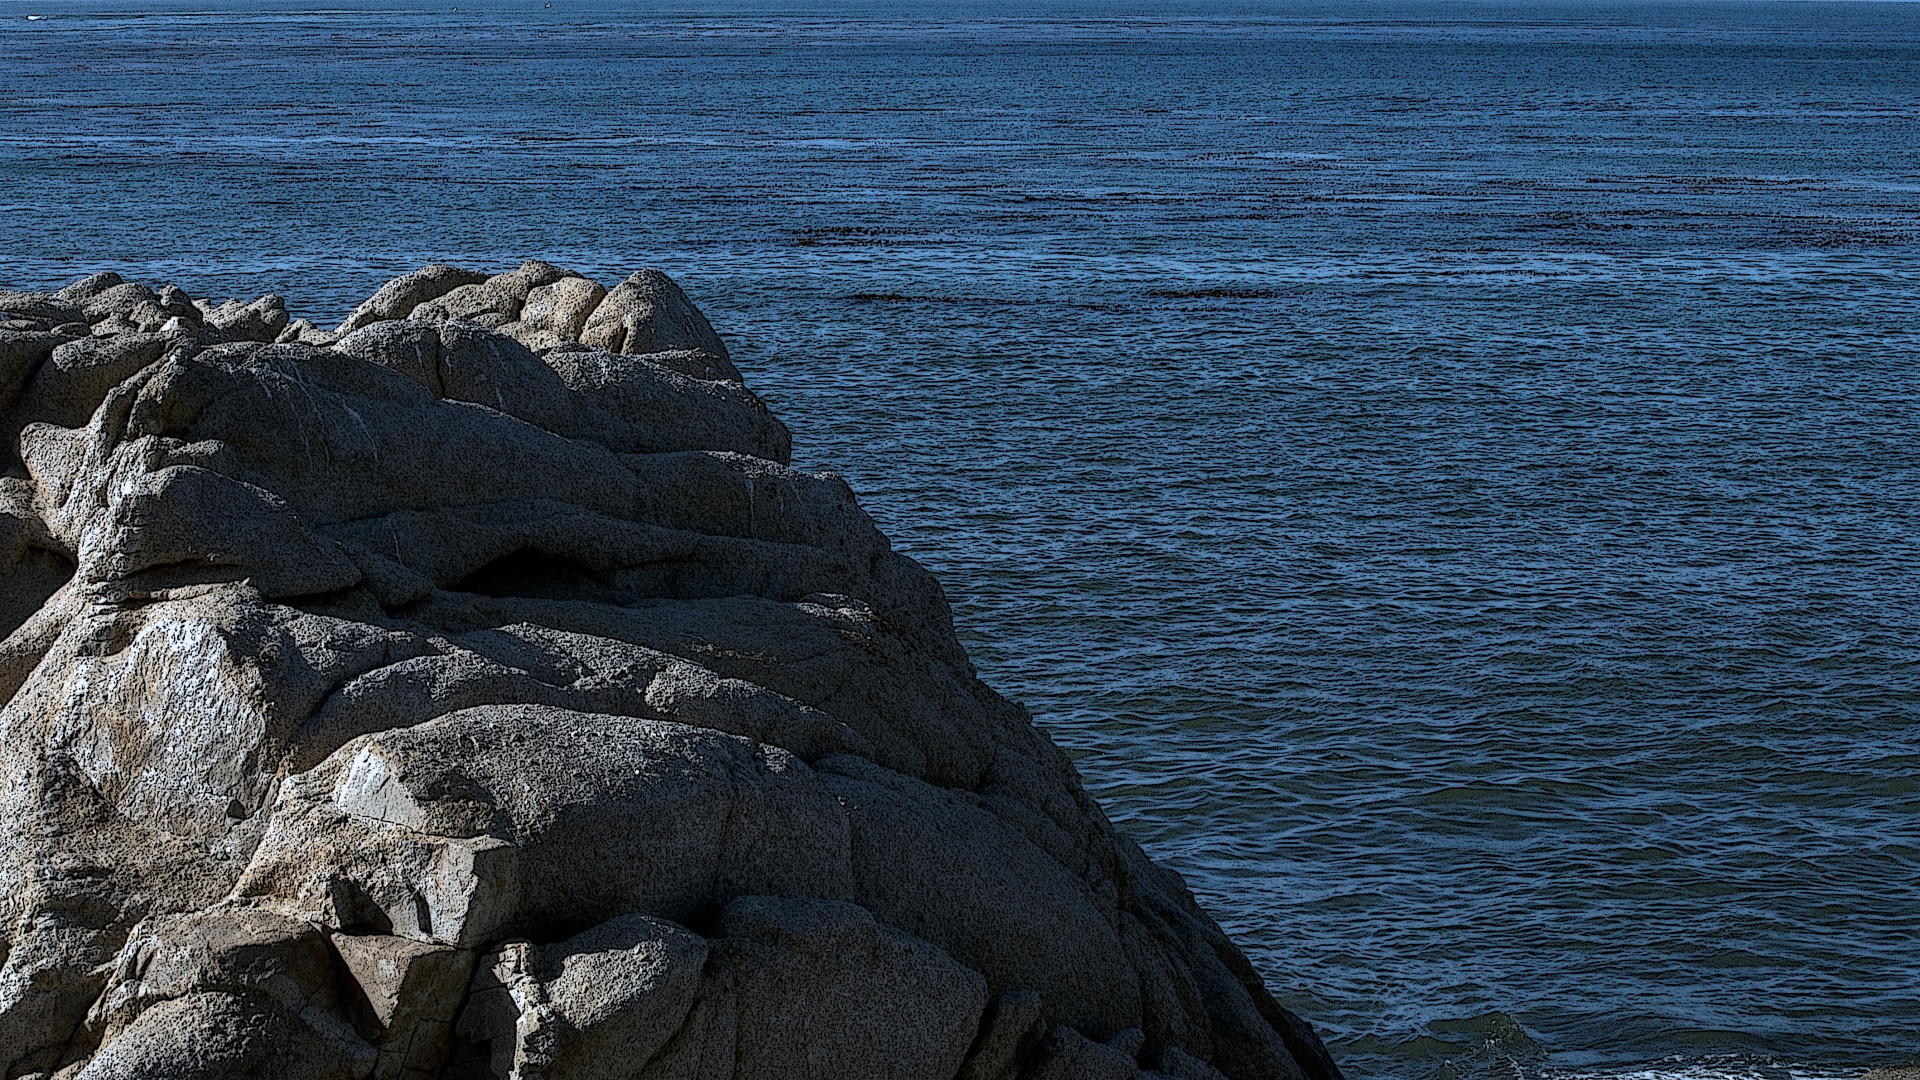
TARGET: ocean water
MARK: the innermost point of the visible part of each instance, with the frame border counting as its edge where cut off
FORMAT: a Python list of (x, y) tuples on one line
[(1446, 470)]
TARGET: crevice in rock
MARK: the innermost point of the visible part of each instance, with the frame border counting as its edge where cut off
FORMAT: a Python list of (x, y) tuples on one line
[(354, 911), (536, 575), (40, 573), (178, 573)]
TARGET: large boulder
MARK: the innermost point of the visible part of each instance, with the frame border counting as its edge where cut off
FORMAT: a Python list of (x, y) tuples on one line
[(783, 987), (398, 298), (495, 301), (557, 312), (238, 320), (478, 693), (647, 313)]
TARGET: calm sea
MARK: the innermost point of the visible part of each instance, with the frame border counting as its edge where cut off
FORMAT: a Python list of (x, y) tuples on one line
[(1449, 471)]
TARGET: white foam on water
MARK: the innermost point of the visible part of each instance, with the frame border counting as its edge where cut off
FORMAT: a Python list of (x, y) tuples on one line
[(1697, 1069)]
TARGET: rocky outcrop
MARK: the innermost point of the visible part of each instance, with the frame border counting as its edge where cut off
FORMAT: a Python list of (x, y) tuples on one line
[(475, 691)]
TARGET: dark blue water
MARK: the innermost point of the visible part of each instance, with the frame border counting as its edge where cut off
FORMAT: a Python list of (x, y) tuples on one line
[(1447, 470)]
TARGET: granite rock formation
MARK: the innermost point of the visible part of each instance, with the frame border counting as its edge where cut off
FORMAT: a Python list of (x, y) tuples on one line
[(475, 691)]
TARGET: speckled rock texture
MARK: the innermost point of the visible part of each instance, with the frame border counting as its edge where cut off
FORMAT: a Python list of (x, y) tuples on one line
[(475, 691)]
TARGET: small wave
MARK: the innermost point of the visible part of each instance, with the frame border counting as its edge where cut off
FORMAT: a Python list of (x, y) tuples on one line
[(1723, 1068), (902, 298), (1497, 1046), (1216, 294)]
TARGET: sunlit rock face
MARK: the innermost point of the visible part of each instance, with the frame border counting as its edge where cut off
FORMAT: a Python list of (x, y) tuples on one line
[(474, 691)]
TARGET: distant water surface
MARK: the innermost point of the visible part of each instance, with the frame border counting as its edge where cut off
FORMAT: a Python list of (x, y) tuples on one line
[(1447, 470)]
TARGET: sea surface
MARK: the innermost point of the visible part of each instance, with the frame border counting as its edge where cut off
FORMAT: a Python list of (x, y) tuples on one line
[(1449, 471)]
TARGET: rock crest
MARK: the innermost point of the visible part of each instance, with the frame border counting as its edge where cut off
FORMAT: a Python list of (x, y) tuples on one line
[(475, 691)]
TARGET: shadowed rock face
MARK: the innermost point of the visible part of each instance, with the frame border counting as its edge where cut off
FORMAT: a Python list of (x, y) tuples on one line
[(474, 691)]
